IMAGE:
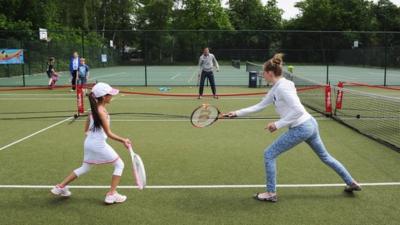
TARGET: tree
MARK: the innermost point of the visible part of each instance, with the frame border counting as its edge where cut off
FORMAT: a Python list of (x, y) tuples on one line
[(387, 15), (201, 16), (331, 15), (205, 14), (334, 15), (156, 15), (253, 15)]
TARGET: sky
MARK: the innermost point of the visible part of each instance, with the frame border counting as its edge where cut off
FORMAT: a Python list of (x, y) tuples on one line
[(290, 11)]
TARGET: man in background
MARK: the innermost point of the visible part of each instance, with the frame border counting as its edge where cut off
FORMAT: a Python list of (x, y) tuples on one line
[(206, 64)]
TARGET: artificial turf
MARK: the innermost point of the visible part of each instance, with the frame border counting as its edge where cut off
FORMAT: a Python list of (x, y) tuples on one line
[(229, 152)]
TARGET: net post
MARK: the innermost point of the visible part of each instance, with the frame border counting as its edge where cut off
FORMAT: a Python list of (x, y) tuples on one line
[(339, 97), (80, 101), (328, 100)]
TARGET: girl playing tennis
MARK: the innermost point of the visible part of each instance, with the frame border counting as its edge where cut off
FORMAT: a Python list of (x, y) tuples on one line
[(96, 149), (51, 72), (302, 127)]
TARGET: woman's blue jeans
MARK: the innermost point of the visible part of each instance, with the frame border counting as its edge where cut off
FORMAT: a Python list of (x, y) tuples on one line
[(308, 132)]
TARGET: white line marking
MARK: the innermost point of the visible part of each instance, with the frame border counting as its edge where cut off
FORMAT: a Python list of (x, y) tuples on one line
[(200, 186), (192, 77), (177, 75), (37, 132)]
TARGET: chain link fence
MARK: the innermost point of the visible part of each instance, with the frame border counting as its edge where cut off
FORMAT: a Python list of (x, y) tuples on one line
[(324, 56)]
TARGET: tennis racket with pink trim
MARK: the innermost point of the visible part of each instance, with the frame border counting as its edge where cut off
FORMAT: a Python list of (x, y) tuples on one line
[(138, 170)]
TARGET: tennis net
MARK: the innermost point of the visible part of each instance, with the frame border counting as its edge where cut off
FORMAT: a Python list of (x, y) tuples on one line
[(253, 67), (236, 63), (375, 116)]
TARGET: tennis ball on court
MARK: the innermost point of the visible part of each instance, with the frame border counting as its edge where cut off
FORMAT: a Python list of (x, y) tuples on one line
[(290, 68)]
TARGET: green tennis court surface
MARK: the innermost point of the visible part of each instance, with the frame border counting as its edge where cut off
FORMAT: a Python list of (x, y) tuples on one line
[(177, 155), (187, 75), (135, 75)]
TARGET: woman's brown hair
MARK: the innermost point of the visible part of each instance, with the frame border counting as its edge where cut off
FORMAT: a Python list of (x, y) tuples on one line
[(274, 64)]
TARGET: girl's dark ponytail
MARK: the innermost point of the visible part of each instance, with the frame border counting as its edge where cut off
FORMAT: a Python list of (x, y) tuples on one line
[(97, 123)]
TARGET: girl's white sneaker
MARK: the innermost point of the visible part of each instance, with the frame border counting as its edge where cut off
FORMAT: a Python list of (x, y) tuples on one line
[(115, 198), (64, 192)]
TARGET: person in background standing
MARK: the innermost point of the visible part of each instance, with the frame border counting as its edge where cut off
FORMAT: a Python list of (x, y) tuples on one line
[(73, 68), (206, 64), (83, 74)]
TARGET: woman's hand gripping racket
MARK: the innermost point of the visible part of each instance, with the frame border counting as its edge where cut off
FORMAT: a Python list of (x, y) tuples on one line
[(138, 170), (205, 115)]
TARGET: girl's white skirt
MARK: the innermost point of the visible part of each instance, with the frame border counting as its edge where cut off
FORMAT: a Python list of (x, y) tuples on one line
[(98, 152)]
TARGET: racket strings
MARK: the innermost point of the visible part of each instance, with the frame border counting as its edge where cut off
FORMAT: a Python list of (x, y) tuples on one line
[(204, 116)]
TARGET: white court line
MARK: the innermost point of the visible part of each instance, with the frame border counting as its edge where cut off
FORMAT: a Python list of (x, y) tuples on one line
[(222, 186), (37, 132), (192, 77), (177, 75)]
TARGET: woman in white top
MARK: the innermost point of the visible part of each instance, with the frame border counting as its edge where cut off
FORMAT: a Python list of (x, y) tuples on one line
[(96, 149), (302, 127)]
